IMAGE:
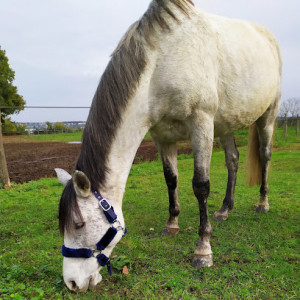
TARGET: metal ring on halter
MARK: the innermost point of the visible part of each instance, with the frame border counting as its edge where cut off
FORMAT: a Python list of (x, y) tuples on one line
[(119, 226), (96, 252)]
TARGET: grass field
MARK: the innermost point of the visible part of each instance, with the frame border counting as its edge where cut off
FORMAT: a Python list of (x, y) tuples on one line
[(256, 256), (241, 137), (54, 137)]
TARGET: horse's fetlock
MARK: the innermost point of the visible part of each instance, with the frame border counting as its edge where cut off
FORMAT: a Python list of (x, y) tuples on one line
[(264, 191), (205, 231), (174, 211)]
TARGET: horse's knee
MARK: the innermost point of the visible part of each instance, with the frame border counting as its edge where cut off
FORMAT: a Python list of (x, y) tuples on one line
[(171, 178), (172, 182), (201, 188)]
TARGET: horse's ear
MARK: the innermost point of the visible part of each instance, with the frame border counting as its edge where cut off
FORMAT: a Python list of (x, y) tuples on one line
[(63, 176), (82, 184)]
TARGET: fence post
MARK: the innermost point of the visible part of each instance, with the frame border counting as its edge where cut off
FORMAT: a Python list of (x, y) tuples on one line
[(297, 125), (285, 125), (4, 178)]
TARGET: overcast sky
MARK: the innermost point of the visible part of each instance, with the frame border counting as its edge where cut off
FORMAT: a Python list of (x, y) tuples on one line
[(59, 48)]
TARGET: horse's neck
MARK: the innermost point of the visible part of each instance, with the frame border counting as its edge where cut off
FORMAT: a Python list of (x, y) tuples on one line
[(129, 135)]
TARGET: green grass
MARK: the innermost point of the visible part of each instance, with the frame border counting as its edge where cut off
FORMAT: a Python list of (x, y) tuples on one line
[(256, 256), (289, 140), (241, 137), (58, 137), (53, 137)]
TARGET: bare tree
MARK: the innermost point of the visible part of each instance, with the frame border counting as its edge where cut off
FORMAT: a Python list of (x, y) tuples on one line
[(284, 108), (294, 106), (295, 112), (290, 107), (283, 112)]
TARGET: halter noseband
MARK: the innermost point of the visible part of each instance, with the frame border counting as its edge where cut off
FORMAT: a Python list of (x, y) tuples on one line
[(116, 226)]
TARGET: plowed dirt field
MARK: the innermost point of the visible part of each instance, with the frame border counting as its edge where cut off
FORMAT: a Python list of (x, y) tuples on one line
[(31, 161)]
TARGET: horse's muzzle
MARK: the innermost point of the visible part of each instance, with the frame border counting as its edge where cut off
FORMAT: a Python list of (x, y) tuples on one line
[(78, 286)]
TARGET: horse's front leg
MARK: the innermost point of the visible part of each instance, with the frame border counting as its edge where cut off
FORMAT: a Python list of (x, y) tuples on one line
[(232, 162), (202, 141), (168, 154)]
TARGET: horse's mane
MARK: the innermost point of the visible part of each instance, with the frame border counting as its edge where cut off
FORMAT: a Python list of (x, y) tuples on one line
[(117, 85)]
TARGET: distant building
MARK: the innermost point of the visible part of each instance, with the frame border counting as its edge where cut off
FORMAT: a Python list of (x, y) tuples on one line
[(41, 127)]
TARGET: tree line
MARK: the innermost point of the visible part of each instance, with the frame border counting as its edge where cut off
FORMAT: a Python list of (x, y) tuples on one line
[(12, 128)]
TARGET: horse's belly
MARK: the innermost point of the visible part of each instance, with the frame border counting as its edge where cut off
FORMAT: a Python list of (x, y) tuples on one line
[(170, 131), (226, 124), (226, 121), (239, 114)]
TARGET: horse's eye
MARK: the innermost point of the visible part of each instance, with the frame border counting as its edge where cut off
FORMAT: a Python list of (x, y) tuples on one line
[(79, 225)]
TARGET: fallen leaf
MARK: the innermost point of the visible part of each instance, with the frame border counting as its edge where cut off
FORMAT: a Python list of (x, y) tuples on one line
[(125, 270), (190, 228)]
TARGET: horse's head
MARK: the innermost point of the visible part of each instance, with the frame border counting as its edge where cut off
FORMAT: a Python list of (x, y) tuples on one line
[(91, 229)]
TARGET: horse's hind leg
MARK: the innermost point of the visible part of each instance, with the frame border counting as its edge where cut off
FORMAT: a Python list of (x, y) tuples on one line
[(265, 128), (168, 154), (265, 134), (232, 161)]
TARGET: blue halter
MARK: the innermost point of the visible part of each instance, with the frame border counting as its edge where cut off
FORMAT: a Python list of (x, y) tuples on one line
[(112, 218)]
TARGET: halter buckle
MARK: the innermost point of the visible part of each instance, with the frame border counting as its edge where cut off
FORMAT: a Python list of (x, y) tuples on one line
[(104, 205)]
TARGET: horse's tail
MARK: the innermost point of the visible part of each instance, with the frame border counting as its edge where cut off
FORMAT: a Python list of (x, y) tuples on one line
[(253, 158)]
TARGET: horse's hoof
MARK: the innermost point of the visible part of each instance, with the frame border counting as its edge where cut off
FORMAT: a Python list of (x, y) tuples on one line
[(200, 261), (220, 216), (170, 231), (261, 208)]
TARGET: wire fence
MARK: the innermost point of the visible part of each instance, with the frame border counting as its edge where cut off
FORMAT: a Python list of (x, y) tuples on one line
[(291, 121), (77, 116)]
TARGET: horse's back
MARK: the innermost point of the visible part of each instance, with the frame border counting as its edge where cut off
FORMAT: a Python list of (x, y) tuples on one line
[(227, 68), (249, 75)]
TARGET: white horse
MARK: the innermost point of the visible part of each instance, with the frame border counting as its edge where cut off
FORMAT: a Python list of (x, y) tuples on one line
[(182, 74)]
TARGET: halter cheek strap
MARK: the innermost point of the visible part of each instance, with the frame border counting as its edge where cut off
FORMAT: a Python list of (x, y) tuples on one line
[(107, 208), (102, 259)]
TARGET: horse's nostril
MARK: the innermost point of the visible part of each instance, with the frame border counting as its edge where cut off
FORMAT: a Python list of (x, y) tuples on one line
[(73, 285)]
